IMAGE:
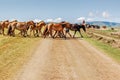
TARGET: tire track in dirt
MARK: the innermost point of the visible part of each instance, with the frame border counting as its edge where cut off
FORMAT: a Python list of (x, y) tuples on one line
[(72, 59)]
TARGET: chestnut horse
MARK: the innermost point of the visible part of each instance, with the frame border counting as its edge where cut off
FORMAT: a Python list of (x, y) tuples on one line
[(57, 27), (21, 26), (3, 25), (38, 28)]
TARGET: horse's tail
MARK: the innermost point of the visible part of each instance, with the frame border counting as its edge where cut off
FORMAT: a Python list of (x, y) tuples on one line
[(84, 28), (9, 30)]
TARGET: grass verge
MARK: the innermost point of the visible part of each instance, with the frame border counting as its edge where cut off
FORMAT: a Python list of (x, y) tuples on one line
[(14, 51), (114, 53)]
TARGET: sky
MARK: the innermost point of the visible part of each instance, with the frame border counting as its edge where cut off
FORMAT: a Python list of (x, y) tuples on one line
[(60, 10)]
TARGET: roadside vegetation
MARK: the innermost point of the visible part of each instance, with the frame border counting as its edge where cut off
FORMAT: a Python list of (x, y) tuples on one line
[(107, 32), (14, 51), (111, 51)]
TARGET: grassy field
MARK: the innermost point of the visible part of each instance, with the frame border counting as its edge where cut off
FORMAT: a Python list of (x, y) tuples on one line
[(106, 33), (14, 51), (114, 53)]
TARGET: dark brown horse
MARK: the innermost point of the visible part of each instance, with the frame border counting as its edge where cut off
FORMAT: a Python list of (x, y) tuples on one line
[(76, 28), (88, 26), (3, 25)]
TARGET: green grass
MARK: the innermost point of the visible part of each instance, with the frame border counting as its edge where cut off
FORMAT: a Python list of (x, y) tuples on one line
[(14, 51), (114, 53)]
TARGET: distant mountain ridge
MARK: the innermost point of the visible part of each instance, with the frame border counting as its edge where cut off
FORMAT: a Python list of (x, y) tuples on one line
[(104, 23)]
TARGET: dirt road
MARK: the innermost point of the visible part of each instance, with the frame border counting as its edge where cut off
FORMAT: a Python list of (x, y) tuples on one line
[(73, 59)]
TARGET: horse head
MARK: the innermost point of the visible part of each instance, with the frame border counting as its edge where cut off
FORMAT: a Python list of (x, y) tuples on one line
[(66, 24), (14, 21), (42, 23), (6, 21), (29, 24)]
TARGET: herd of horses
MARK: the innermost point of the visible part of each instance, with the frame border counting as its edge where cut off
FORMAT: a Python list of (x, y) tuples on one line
[(41, 28)]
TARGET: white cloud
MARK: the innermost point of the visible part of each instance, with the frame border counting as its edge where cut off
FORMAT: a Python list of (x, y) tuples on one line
[(105, 14), (97, 15), (58, 20), (89, 19), (80, 19), (49, 20), (13, 19), (54, 20), (36, 20)]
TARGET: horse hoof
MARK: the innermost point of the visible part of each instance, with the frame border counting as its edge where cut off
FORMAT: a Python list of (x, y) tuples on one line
[(53, 37), (38, 36)]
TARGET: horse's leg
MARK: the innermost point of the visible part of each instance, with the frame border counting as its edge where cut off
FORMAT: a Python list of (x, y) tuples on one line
[(34, 32), (59, 34), (13, 33), (40, 32), (25, 33), (80, 33), (54, 34), (3, 31), (70, 34), (45, 34), (37, 33), (63, 34), (74, 33), (30, 32), (0, 31), (51, 33)]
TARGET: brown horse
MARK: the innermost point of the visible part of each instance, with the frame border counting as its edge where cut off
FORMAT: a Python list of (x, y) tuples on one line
[(21, 26), (37, 27), (3, 25), (57, 27)]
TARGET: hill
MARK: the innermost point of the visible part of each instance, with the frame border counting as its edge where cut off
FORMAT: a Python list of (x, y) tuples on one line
[(104, 23)]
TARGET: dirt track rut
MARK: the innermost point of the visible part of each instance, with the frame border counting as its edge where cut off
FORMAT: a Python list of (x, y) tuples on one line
[(72, 59)]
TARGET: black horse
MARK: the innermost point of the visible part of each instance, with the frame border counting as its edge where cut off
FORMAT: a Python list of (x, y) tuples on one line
[(76, 28)]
